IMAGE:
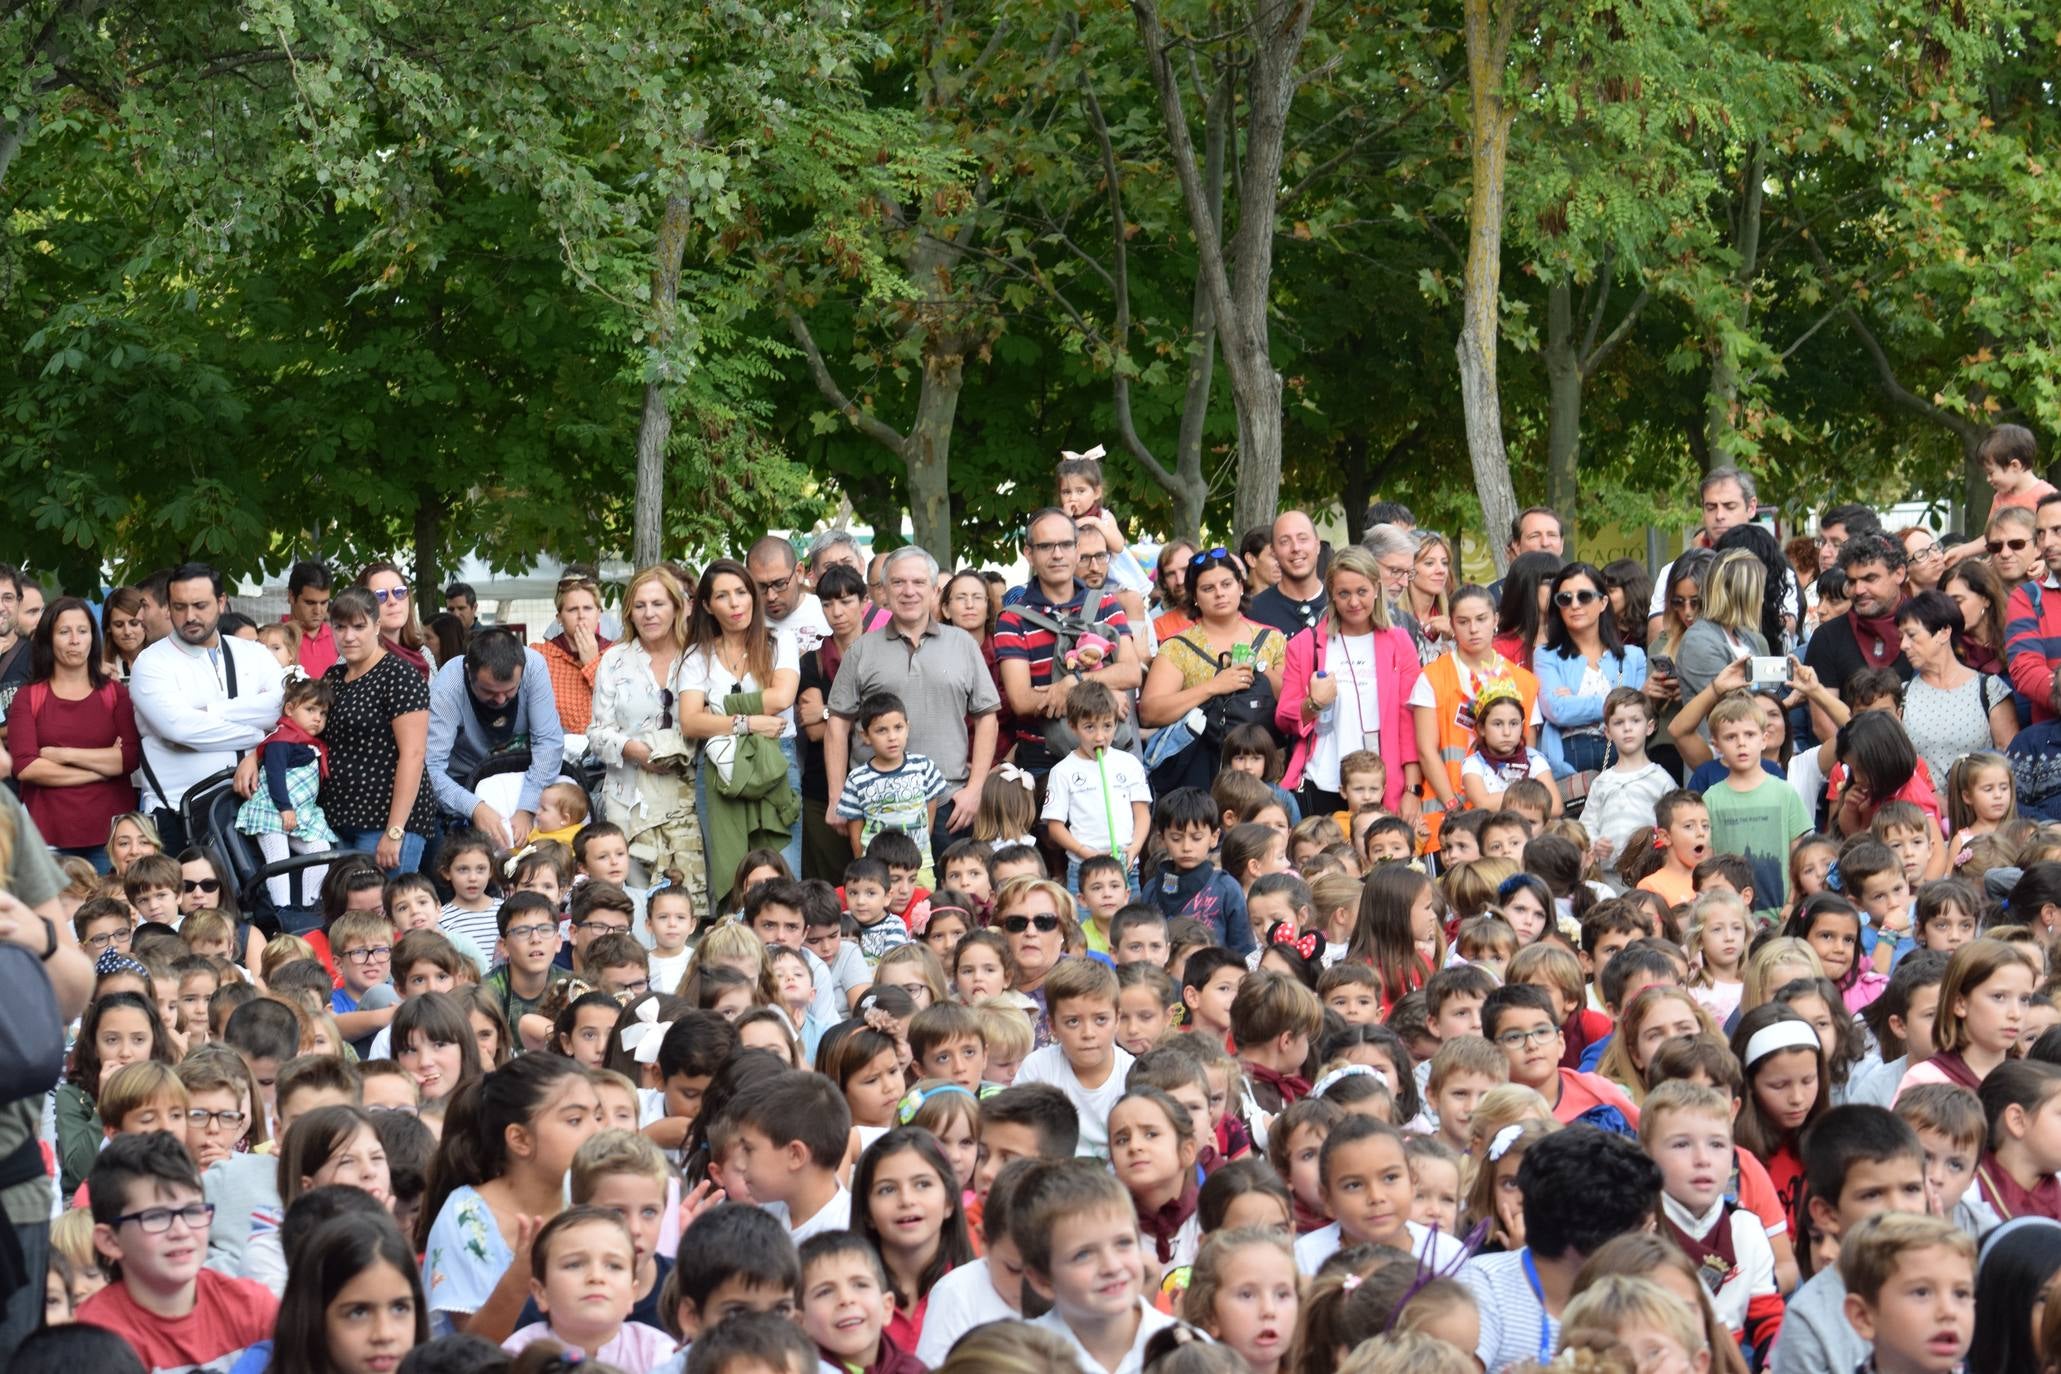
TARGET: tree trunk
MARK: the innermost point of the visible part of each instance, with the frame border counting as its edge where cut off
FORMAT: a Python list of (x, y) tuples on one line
[(1721, 412), (1563, 405), (1488, 45), (1978, 493), (927, 452), (1355, 483), (1259, 450), (655, 427), (429, 539)]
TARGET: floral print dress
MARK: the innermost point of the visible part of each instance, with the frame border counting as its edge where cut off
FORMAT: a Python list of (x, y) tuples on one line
[(465, 1260)]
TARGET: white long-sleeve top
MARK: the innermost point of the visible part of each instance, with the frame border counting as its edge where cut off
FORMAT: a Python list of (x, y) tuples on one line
[(189, 723)]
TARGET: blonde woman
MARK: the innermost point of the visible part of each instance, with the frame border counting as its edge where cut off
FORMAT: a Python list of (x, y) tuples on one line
[(574, 657), (1431, 577), (1729, 628), (635, 731)]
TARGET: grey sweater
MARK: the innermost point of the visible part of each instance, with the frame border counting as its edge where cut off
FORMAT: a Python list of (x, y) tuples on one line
[(1816, 1336)]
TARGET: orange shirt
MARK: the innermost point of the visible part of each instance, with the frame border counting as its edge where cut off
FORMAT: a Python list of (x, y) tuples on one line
[(2027, 498), (1672, 886)]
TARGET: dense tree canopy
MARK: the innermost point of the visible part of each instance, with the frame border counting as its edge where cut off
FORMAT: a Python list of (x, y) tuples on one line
[(352, 276)]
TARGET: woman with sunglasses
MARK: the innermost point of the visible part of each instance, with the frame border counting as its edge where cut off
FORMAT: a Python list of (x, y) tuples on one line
[(377, 795), (1028, 912), (635, 731), (1729, 628), (1221, 657), (398, 627), (574, 657), (1582, 662), (1345, 688)]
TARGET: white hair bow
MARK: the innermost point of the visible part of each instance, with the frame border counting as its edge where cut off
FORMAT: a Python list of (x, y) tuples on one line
[(1011, 773), (1505, 1138), (646, 1034), (1071, 456)]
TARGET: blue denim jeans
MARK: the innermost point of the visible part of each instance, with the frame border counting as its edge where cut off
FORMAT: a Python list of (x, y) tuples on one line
[(367, 841), (1584, 753)]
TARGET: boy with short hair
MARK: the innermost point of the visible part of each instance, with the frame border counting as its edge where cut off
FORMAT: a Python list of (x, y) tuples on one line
[(1687, 1129), (1097, 800), (1032, 1121), (1913, 837), (101, 924), (847, 1303), (906, 896), (893, 789), (143, 1097), (1104, 888), (1953, 1131), (1465, 1070), (561, 811), (1362, 781), (618, 965), (1098, 1306), (1874, 878), (945, 1042), (793, 1133), (1084, 1062), (1910, 1290), (1012, 861), (696, 1045), (529, 969), (734, 1259), (151, 885), (2010, 458), (1751, 813), (752, 1343), (866, 897), (1274, 1017), (1188, 883), (1209, 984), (1622, 796), (1137, 935), (1518, 1019), (1858, 1162), (216, 1117), (1505, 834), (244, 1188), (1009, 1038), (150, 1227), (384, 1086), (363, 1000), (823, 936)]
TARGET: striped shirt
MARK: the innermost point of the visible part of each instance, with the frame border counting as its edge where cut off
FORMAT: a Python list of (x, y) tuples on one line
[(483, 928), (1515, 1325)]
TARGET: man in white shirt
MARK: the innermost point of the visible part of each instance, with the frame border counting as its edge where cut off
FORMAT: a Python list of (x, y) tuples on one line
[(790, 605), (1729, 500), (202, 698)]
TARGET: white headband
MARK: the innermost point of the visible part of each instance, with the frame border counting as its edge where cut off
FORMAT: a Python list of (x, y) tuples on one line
[(1781, 1035)]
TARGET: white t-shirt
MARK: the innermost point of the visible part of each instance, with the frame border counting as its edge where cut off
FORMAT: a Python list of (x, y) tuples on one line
[(666, 970), (805, 622), (1049, 1065), (1499, 779), (1150, 1322), (962, 1300), (1074, 797), (1354, 714), (834, 1215), (1441, 1251), (704, 673)]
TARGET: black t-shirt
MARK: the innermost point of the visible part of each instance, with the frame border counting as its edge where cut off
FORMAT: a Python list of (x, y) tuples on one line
[(1276, 608), (1835, 655), (363, 755), (815, 782)]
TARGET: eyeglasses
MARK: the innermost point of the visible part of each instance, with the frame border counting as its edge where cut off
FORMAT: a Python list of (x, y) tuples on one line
[(1580, 598), (384, 594), (1525, 1039), (157, 1220), (1094, 558), (778, 587), (370, 954), (201, 1120), (636, 989), (1016, 925), (1997, 546), (399, 1109), (528, 932), (1054, 545), (602, 928), (1686, 603), (201, 884), (1929, 551), (113, 939)]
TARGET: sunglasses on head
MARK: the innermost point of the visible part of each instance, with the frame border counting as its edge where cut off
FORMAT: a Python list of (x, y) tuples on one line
[(201, 884), (1219, 554), (1576, 598), (1016, 925), (1997, 546)]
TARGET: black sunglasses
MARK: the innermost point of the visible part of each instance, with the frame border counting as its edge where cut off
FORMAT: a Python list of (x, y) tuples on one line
[(1580, 598), (665, 708), (202, 885), (1016, 925)]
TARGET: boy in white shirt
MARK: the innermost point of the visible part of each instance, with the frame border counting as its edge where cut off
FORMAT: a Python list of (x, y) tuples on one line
[(1078, 1234), (1097, 800), (1622, 796), (1085, 1063), (792, 1135)]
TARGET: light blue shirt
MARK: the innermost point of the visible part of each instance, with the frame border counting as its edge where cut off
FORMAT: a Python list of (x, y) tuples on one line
[(1563, 705), (458, 743)]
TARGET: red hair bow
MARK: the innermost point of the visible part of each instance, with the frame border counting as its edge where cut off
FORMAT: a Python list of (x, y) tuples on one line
[(1308, 943)]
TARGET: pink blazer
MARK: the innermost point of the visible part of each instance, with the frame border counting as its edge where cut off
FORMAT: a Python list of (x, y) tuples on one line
[(1395, 674)]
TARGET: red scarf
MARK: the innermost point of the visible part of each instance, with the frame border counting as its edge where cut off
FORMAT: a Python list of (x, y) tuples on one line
[(1980, 657), (286, 732), (1164, 1223), (1306, 1218), (414, 658), (1950, 1063), (1292, 1087), (2012, 1199), (1716, 1256), (1876, 637)]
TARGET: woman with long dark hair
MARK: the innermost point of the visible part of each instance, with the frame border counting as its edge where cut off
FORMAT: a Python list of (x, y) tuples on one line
[(72, 736), (1521, 611), (1975, 588), (1631, 591), (1582, 661)]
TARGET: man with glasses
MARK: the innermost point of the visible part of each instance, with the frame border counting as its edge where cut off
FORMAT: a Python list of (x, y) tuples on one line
[(495, 700), (1094, 562), (1729, 500), (1395, 552), (938, 673), (1518, 1019), (203, 699), (772, 565), (151, 1226), (1840, 523), (1027, 635)]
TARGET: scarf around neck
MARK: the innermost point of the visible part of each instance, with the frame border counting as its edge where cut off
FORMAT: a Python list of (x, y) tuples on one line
[(414, 658), (1164, 1223), (1876, 637), (1292, 1087), (286, 732), (2011, 1198)]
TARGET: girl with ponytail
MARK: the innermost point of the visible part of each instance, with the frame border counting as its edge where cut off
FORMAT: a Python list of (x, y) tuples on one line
[(499, 1175)]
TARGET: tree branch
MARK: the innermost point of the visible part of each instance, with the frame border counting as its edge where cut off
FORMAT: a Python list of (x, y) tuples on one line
[(1896, 392), (1593, 357), (863, 420)]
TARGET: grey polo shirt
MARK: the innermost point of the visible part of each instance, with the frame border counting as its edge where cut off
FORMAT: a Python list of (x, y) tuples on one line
[(940, 677)]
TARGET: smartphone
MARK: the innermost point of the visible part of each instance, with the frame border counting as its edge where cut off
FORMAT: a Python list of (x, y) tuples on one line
[(1768, 670), (1660, 665)]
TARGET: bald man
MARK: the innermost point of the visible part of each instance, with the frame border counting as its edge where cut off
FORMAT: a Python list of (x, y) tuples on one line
[(775, 567), (1297, 601)]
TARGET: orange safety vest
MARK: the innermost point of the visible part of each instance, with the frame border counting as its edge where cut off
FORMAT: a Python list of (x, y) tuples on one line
[(1454, 713)]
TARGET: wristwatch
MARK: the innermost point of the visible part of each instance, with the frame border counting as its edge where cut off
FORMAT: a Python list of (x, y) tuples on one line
[(740, 724), (50, 932), (395, 832)]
